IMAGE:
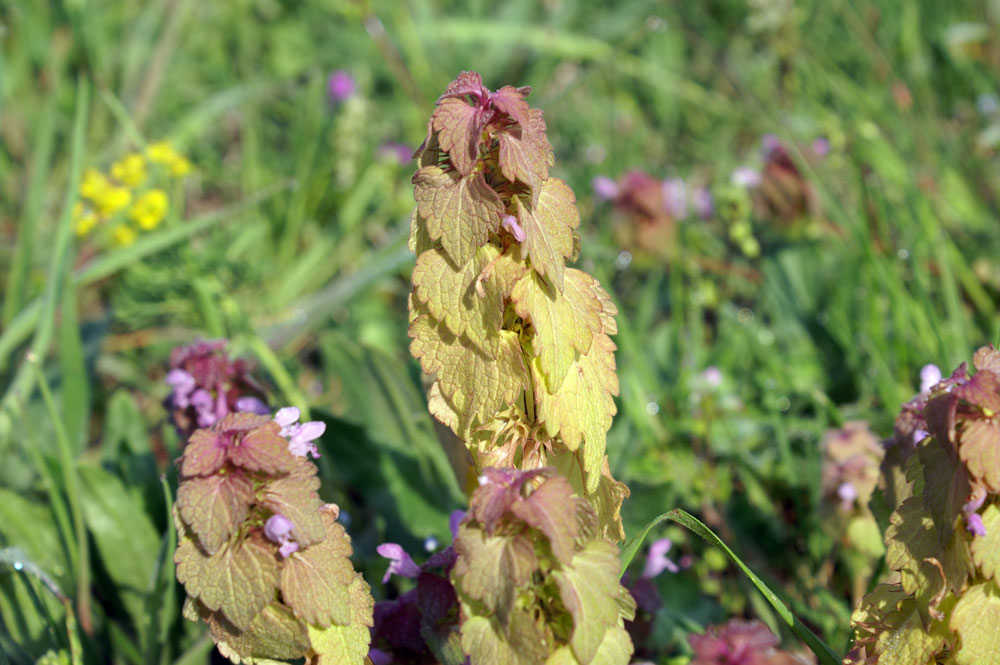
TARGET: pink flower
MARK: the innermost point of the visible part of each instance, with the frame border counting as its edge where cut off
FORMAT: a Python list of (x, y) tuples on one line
[(657, 561), (744, 176), (340, 86), (400, 563), (300, 436), (278, 529), (252, 404), (605, 188), (930, 376), (509, 222)]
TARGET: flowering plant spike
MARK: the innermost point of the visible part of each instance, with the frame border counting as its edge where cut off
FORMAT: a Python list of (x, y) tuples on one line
[(519, 344), (943, 536), (263, 561)]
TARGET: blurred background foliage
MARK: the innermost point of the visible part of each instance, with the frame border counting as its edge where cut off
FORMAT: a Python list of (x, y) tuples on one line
[(849, 150)]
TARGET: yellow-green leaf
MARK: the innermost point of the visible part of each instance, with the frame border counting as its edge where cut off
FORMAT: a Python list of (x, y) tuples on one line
[(475, 383), (239, 580), (976, 619), (345, 645), (986, 549), (548, 228), (564, 322), (461, 211), (458, 297)]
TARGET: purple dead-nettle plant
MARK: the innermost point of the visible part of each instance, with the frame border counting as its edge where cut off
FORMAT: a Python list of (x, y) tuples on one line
[(206, 385)]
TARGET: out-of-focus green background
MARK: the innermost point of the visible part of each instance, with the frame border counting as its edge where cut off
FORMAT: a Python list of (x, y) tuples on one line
[(794, 305)]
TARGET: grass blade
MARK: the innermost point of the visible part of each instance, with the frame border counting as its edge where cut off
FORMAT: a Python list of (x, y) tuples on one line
[(823, 652)]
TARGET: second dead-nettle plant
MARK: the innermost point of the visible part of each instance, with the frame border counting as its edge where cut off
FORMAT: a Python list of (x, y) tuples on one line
[(524, 374), (518, 343)]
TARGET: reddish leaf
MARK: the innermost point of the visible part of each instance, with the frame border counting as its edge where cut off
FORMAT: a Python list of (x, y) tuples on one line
[(982, 390), (215, 506), (980, 450), (204, 454), (460, 131), (987, 358), (263, 450), (467, 83), (548, 509), (510, 100)]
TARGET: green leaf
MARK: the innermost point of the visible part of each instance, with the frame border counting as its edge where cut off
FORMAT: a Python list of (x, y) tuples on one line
[(457, 297), (975, 618), (30, 525), (295, 497), (215, 506), (986, 549), (564, 322), (461, 211), (315, 581), (888, 621), (927, 567), (592, 594), (239, 580), (347, 645), (823, 652), (124, 536), (548, 227)]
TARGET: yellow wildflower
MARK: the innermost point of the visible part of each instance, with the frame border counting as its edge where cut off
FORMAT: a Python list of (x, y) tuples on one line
[(180, 166), (161, 152), (123, 235), (113, 199), (150, 209), (85, 219), (130, 170), (164, 154), (93, 184)]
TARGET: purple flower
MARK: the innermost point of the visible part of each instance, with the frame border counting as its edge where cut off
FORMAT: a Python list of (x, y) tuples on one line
[(340, 86), (919, 435), (204, 406), (401, 152), (400, 562), (675, 197), (605, 188), (704, 205), (744, 176), (278, 529), (379, 657), (657, 561), (454, 520), (509, 222), (930, 376), (183, 384), (250, 404), (821, 147), (973, 521), (300, 436)]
